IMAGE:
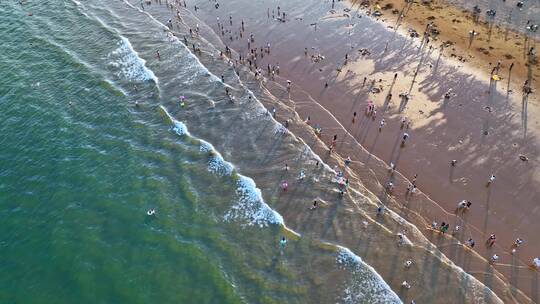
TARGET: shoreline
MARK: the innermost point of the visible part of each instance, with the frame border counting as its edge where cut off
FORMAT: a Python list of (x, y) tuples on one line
[(381, 170)]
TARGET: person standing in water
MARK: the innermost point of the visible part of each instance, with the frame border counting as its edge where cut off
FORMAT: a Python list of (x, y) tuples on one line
[(282, 242)]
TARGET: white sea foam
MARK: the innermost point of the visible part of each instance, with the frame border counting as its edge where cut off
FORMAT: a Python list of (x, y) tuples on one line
[(176, 40), (250, 206), (367, 285), (131, 66), (180, 128), (216, 163)]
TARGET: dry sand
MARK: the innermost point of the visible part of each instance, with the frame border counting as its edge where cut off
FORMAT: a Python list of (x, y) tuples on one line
[(493, 42)]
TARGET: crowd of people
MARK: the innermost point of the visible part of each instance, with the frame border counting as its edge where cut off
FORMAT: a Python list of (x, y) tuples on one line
[(252, 56)]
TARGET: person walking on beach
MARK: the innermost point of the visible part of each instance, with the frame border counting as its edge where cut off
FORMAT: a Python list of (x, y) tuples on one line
[(463, 205), (494, 259), (491, 240), (490, 180), (381, 124), (404, 139), (447, 96), (516, 244)]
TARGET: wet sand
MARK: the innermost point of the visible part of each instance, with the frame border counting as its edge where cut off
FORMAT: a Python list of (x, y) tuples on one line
[(440, 132)]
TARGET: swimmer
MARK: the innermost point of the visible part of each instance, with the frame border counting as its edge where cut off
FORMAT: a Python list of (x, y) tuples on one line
[(314, 206), (182, 101), (302, 175), (151, 212)]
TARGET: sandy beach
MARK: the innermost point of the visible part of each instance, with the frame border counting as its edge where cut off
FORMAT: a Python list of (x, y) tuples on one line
[(269, 151), (338, 58)]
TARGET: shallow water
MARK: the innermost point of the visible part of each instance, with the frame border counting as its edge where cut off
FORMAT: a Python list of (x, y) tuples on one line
[(93, 136)]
